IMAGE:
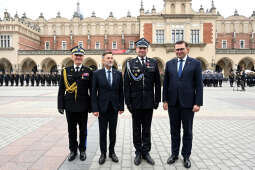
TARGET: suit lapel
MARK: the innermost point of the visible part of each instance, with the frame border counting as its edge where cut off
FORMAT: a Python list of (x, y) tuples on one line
[(105, 78), (175, 66), (113, 77), (187, 63)]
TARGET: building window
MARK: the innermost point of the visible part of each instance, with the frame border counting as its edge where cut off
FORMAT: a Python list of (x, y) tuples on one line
[(177, 35), (242, 43), (224, 44), (97, 46), (195, 37), (160, 36), (80, 44), (47, 45), (63, 45), (114, 45), (5, 41), (131, 45)]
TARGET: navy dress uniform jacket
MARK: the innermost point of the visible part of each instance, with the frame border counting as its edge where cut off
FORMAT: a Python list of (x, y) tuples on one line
[(66, 100), (145, 93)]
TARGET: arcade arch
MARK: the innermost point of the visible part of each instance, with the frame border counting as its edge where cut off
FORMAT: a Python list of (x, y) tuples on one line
[(5, 65)]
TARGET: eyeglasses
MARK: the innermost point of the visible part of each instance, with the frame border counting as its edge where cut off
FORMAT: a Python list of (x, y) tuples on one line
[(179, 49)]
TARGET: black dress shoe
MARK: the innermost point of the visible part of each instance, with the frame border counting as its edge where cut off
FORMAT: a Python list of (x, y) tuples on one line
[(148, 158), (187, 163), (83, 156), (114, 157), (138, 159), (72, 156), (172, 159), (102, 159)]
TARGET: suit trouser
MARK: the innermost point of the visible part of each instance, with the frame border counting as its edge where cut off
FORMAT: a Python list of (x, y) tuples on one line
[(141, 119), (178, 115), (73, 119), (109, 117)]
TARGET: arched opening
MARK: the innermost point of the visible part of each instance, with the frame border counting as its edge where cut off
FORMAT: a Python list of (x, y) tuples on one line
[(115, 65), (28, 65), (246, 64), (48, 65), (67, 62), (160, 65), (225, 66), (5, 65), (88, 62), (204, 63)]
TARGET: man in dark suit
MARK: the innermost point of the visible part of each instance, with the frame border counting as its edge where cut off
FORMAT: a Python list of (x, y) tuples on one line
[(107, 103), (142, 89), (74, 98), (182, 96)]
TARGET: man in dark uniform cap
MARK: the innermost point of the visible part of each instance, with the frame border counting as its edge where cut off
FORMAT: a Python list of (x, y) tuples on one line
[(12, 78), (74, 98), (27, 78), (16, 79), (7, 79), (21, 79), (142, 94)]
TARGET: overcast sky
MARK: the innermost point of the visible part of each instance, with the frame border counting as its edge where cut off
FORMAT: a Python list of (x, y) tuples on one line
[(49, 8)]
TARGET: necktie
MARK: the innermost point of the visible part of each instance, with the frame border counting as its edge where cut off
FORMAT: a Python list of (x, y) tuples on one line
[(77, 69), (180, 68), (143, 62), (109, 77)]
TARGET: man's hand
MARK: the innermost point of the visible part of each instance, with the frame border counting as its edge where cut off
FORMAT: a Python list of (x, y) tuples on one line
[(155, 105), (96, 114), (165, 106), (61, 111), (196, 108), (120, 112), (129, 108)]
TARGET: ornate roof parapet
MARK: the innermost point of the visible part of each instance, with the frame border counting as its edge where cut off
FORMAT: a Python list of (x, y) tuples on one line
[(213, 8), (111, 15), (128, 14), (7, 16), (58, 15), (141, 8), (201, 10), (93, 14), (153, 10), (236, 13)]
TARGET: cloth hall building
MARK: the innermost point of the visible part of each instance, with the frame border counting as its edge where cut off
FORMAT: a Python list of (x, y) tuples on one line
[(221, 44)]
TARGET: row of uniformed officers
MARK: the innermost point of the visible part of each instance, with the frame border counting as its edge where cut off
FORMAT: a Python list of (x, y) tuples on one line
[(103, 92), (32, 79)]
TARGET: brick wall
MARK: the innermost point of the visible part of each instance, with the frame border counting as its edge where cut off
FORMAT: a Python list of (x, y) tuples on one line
[(236, 43), (208, 33), (28, 44), (147, 32)]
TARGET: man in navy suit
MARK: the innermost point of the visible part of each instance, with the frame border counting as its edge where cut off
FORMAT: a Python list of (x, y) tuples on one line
[(107, 103), (182, 96)]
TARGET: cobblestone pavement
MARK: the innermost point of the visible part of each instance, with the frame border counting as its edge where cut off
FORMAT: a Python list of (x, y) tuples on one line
[(33, 135)]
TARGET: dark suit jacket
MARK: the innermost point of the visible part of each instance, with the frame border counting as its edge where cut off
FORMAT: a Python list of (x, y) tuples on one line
[(188, 88), (66, 100), (103, 93)]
